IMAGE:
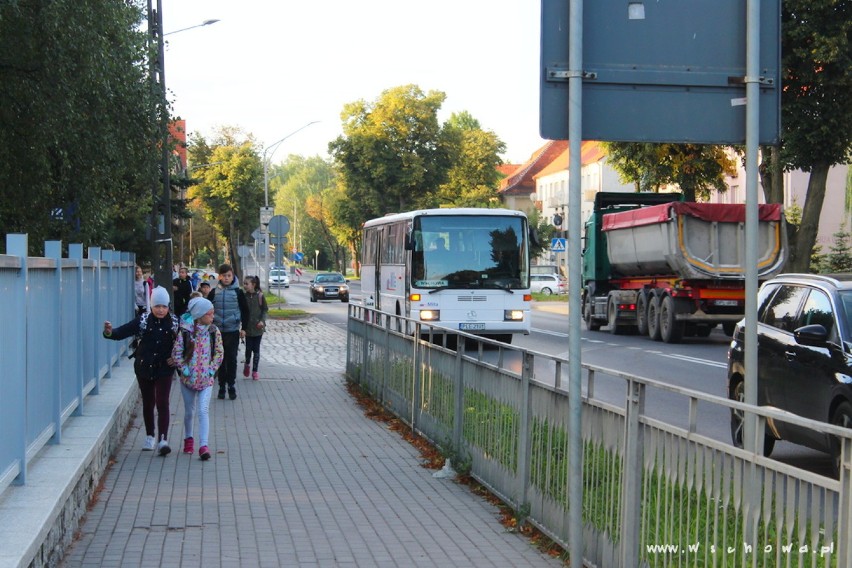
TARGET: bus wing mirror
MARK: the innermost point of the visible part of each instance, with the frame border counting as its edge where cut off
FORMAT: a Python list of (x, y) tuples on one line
[(534, 237)]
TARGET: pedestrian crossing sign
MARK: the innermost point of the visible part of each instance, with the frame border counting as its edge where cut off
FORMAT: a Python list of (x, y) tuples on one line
[(557, 245)]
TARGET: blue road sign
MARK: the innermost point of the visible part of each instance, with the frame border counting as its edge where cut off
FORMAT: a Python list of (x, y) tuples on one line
[(557, 245), (299, 257)]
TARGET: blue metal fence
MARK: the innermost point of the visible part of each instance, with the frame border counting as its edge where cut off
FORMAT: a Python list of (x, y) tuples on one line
[(52, 311)]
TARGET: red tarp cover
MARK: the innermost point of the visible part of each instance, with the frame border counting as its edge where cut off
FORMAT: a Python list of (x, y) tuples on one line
[(719, 212)]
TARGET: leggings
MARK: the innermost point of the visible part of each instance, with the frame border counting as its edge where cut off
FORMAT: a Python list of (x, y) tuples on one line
[(253, 346), (155, 392), (190, 396)]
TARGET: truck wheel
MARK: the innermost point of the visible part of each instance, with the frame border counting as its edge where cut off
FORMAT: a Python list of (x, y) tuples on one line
[(671, 330), (642, 313), (612, 314), (704, 330), (591, 323), (728, 327), (654, 317)]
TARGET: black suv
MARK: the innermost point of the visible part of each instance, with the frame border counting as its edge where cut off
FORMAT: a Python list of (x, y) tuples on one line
[(804, 353)]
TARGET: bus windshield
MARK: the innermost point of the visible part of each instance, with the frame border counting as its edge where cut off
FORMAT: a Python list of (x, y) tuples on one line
[(469, 252)]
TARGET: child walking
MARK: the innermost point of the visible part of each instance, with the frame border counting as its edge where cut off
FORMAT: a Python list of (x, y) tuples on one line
[(156, 332), (198, 353), (257, 310)]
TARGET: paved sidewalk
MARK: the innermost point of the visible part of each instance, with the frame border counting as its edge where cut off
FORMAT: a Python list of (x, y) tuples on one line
[(299, 477)]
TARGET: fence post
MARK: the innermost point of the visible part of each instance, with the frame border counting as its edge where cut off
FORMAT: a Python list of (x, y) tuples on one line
[(631, 497), (75, 252), (524, 450), (53, 250), (458, 419), (844, 523), (15, 391), (100, 350)]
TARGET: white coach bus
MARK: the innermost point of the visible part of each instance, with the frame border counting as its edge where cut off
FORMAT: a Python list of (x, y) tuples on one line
[(461, 269)]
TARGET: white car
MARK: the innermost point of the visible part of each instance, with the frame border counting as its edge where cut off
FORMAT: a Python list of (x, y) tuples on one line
[(278, 277), (548, 284)]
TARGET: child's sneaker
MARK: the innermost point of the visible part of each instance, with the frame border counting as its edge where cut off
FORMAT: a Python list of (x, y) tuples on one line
[(150, 443), (221, 395), (232, 393), (188, 445), (204, 453), (246, 370), (255, 376), (163, 447)]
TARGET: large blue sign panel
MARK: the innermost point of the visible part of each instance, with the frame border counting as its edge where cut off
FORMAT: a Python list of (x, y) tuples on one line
[(661, 71)]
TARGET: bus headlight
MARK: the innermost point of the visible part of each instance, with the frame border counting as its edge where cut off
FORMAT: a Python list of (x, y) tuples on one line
[(513, 315), (430, 315)]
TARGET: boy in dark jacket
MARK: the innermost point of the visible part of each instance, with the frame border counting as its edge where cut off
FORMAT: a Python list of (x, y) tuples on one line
[(153, 364), (231, 317)]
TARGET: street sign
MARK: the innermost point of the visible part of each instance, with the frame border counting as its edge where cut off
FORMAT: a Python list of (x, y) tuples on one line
[(266, 214), (279, 225), (243, 250), (257, 234), (299, 257), (557, 245), (661, 71)]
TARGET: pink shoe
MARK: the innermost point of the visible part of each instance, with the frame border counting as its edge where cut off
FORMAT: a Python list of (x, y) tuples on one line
[(255, 376), (188, 445), (204, 453), (246, 370)]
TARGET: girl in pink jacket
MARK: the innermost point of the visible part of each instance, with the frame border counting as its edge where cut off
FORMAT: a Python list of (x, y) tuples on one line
[(198, 353)]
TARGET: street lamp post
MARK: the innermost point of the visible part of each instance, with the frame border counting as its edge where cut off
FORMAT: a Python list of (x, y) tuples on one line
[(204, 23), (273, 147)]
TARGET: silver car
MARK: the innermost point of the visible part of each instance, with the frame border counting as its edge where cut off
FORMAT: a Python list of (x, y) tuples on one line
[(278, 277)]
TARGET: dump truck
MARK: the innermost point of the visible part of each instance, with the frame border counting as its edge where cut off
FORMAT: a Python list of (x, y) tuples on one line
[(661, 267)]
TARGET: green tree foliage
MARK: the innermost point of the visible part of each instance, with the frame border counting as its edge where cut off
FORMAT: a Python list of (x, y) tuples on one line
[(473, 179), (230, 189), (393, 155), (77, 157), (840, 257), (816, 106), (695, 168)]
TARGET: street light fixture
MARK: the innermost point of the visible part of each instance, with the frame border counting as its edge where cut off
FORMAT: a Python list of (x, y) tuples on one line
[(273, 147), (204, 23), (161, 221)]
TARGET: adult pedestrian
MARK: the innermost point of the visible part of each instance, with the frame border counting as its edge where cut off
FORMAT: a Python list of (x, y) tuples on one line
[(257, 309), (182, 288), (231, 317), (198, 352), (195, 279), (156, 331)]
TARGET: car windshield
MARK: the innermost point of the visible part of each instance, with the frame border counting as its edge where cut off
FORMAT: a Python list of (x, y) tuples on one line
[(329, 278), (278, 273), (470, 252)]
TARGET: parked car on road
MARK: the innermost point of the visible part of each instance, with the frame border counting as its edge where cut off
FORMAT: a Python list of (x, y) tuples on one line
[(329, 286), (548, 284), (278, 277), (804, 358)]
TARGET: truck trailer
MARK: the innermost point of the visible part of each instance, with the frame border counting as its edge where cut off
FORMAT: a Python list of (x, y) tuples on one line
[(661, 267)]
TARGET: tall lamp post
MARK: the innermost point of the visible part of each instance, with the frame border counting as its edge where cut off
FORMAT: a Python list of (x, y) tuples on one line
[(161, 215), (273, 147)]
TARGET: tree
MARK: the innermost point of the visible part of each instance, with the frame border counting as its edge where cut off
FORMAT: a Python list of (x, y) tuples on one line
[(393, 155), (473, 179), (840, 257), (695, 168), (231, 189), (78, 158), (816, 106)]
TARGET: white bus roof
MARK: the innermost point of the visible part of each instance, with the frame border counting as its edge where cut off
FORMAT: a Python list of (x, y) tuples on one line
[(454, 211)]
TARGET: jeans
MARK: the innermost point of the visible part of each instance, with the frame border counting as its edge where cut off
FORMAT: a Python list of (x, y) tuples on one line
[(155, 392), (228, 370), (253, 347), (202, 398)]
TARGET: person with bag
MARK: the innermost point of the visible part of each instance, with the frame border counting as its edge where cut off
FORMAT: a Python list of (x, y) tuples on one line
[(257, 310), (198, 352), (231, 317), (142, 288), (153, 365)]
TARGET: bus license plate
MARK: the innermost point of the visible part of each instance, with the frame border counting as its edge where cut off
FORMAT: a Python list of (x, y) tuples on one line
[(471, 326)]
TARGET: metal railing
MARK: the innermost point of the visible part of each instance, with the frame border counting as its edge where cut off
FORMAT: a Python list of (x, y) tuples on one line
[(53, 310), (655, 493)]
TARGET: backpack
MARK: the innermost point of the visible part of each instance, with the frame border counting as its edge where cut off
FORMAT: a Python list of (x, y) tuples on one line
[(189, 343)]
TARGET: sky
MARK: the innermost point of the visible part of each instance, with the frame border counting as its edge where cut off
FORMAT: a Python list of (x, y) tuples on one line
[(272, 66)]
